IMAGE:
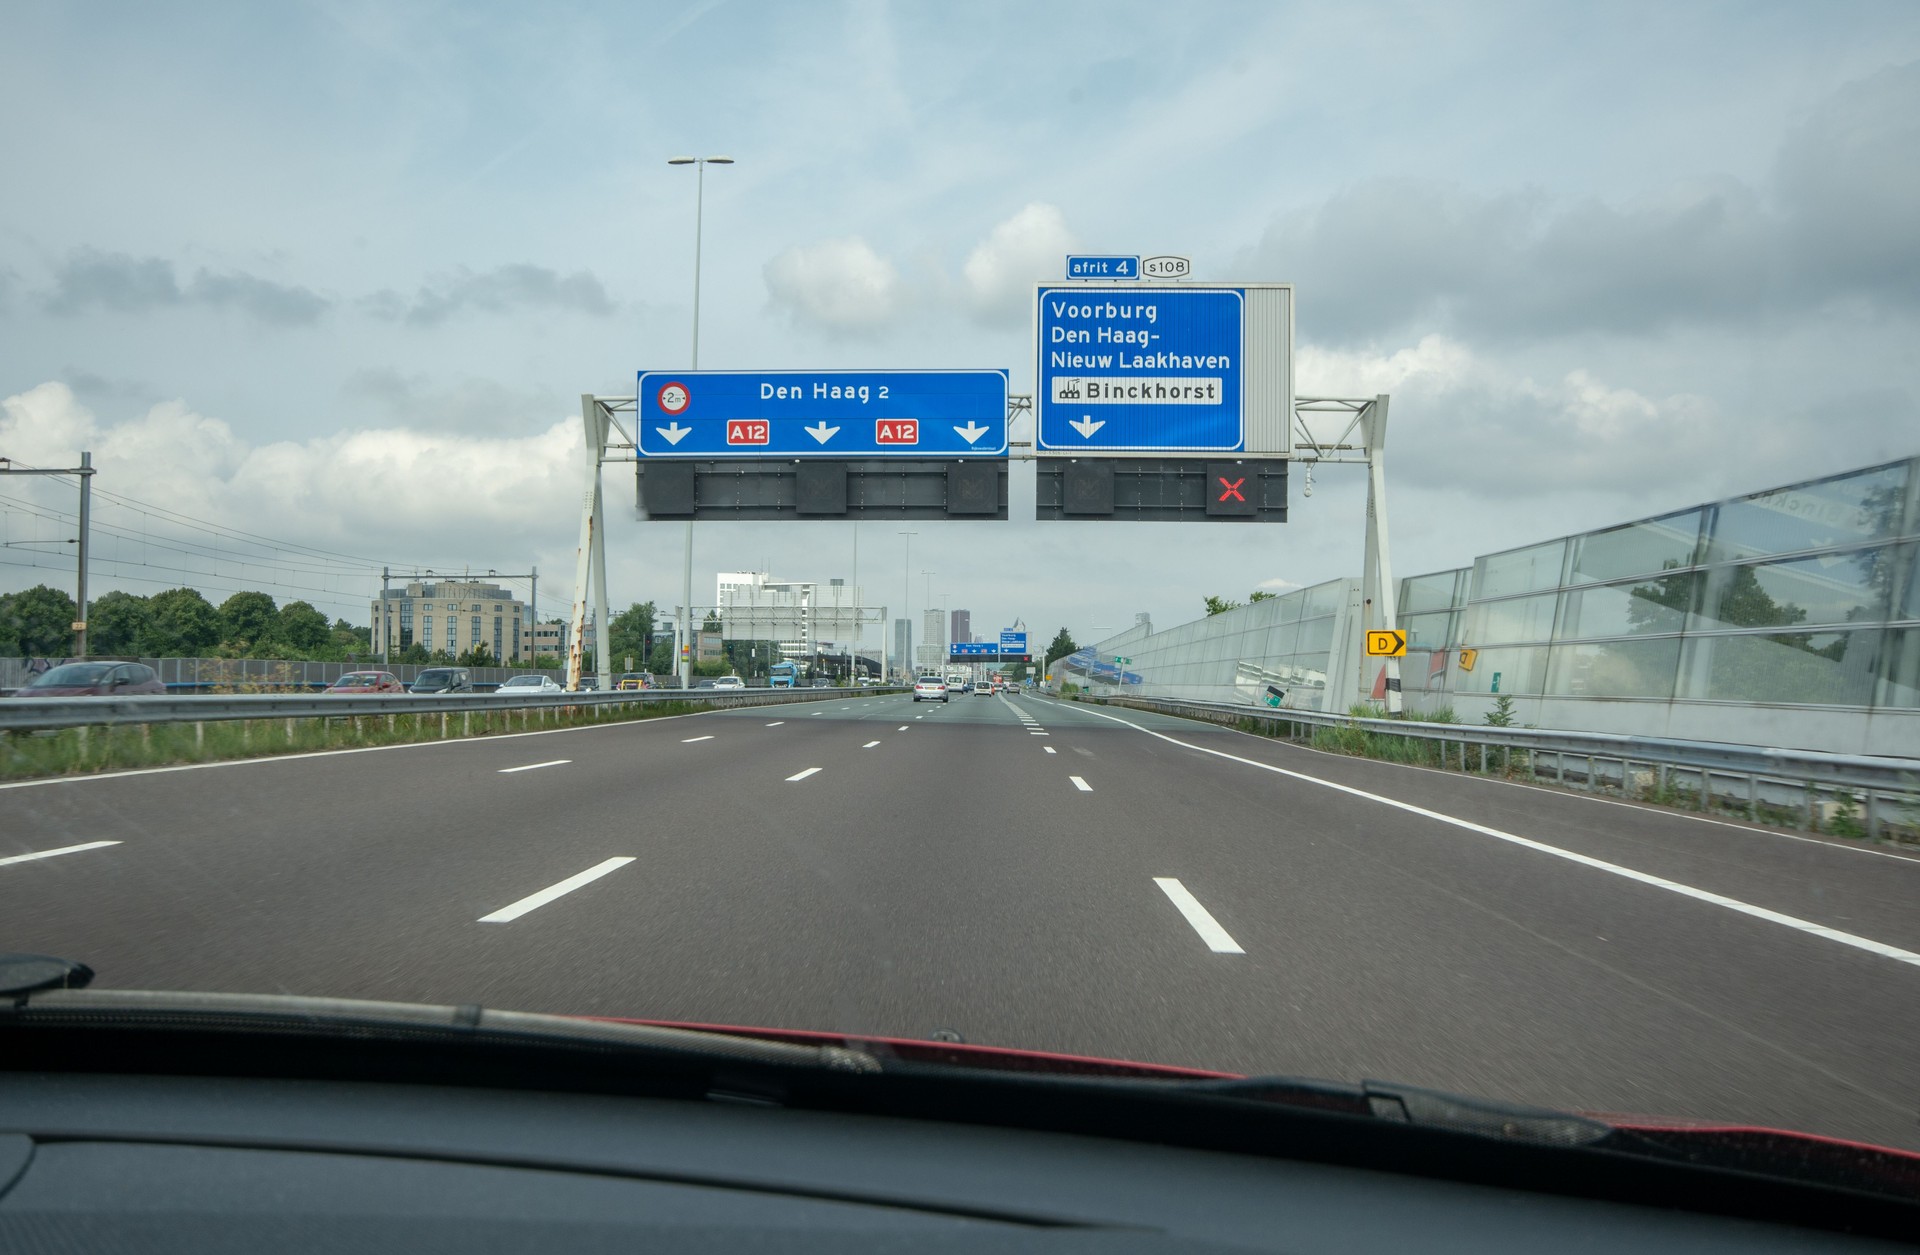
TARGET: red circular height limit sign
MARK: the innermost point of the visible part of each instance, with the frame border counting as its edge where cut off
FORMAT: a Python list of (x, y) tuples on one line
[(672, 397)]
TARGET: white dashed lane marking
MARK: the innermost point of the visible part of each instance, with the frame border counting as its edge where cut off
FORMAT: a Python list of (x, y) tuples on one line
[(65, 849), (1203, 922), (534, 901)]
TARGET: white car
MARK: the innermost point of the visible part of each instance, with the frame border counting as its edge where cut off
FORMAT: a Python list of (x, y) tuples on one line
[(929, 688), (729, 682), (523, 684)]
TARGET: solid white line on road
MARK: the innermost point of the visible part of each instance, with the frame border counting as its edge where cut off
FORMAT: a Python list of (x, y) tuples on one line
[(869, 745), (1047, 748), (802, 775), (1658, 882), (508, 913), (689, 740), (1203, 922), (776, 723), (1080, 784), (65, 849), (558, 762)]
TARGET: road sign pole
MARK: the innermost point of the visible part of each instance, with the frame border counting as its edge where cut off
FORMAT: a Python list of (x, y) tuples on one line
[(1377, 588)]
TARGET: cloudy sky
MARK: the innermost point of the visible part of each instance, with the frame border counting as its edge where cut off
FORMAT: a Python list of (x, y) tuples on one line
[(335, 274)]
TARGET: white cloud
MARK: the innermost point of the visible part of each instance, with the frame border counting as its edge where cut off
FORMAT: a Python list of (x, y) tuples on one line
[(399, 494), (1461, 419), (839, 286), (1001, 270)]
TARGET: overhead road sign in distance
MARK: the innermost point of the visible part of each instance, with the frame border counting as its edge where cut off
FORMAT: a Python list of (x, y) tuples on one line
[(982, 649), (1013, 642), (1102, 266), (1386, 644), (1164, 369), (924, 414)]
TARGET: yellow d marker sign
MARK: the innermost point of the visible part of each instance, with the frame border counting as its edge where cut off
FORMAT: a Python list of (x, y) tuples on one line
[(1386, 644)]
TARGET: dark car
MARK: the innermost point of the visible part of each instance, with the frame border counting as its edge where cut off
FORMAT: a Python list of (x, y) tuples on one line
[(442, 680), (95, 678)]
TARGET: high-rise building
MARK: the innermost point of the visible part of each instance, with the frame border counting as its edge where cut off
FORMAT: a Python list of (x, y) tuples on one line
[(961, 628), (932, 654), (903, 645)]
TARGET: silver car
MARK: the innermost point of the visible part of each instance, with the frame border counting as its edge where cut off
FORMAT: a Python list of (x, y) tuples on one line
[(929, 689)]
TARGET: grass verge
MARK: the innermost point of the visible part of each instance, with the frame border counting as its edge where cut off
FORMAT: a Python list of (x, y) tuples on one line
[(84, 751)]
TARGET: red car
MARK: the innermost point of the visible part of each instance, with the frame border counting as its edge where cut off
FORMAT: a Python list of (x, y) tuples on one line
[(367, 682), (93, 678)]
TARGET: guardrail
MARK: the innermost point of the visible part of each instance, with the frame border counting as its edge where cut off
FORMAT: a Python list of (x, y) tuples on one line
[(46, 714), (1825, 785)]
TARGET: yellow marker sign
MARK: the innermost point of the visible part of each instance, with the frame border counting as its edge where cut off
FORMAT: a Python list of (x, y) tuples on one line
[(1468, 658), (1386, 644)]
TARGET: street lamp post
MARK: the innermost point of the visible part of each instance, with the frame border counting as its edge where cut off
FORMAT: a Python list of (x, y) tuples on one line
[(700, 165)]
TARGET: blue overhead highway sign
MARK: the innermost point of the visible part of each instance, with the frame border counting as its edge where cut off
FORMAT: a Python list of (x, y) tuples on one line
[(1164, 369), (821, 414), (979, 649), (1012, 642)]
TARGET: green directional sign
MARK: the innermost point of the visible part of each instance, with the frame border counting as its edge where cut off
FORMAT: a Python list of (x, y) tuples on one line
[(1123, 662)]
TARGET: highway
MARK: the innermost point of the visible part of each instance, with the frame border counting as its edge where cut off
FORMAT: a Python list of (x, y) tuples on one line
[(1023, 872)]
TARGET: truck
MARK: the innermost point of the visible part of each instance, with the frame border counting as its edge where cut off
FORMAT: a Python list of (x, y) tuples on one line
[(783, 675)]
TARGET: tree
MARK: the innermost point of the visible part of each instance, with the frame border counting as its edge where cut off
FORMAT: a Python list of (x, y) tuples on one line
[(184, 625), (1260, 595), (478, 656), (1061, 647), (301, 626), (712, 622), (1220, 605), (246, 619), (116, 621), (37, 622), (660, 661), (1019, 673), (628, 631)]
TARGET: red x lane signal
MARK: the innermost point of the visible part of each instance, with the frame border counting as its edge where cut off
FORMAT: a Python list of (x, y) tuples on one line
[(1234, 493)]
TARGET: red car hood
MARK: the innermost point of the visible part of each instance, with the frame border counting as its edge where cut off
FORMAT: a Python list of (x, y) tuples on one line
[(1755, 1148)]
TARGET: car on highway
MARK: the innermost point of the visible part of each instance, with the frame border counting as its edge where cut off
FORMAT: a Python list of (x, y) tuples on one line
[(930, 688), (730, 682), (985, 690), (442, 680), (630, 680), (367, 682), (706, 684), (103, 677), (523, 684)]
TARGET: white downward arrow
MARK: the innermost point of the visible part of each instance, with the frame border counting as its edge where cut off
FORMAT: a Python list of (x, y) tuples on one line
[(972, 432), (1088, 425), (673, 431), (821, 432)]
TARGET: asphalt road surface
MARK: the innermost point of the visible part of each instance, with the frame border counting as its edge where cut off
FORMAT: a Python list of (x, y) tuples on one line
[(1025, 873)]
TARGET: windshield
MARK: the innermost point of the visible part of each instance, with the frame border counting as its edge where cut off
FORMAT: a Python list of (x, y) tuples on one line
[(1430, 494), (74, 674)]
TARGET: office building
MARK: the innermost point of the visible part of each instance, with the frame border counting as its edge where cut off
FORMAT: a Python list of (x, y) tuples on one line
[(960, 626), (451, 617)]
